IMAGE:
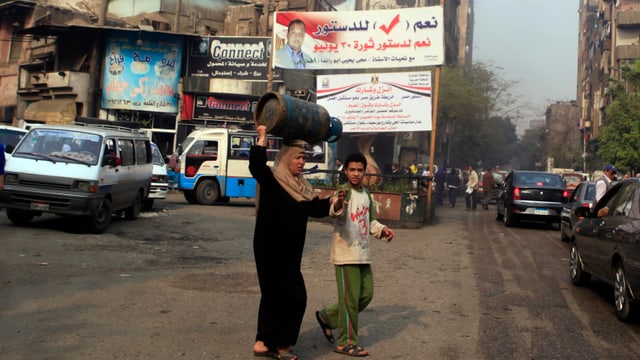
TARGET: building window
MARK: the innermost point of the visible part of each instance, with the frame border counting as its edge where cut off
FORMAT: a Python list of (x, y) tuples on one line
[(16, 42)]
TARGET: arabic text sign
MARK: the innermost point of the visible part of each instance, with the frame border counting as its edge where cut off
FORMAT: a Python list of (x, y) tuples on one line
[(378, 102), (230, 57), (225, 107), (369, 39), (142, 77)]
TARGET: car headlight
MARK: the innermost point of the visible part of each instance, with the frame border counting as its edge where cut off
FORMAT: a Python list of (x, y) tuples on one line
[(10, 178), (86, 186), (159, 178)]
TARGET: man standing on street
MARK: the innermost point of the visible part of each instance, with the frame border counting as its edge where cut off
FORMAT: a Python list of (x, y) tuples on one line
[(605, 181), (470, 199), (487, 188)]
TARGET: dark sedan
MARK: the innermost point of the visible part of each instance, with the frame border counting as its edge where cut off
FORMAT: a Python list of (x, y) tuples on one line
[(606, 244), (582, 196), (532, 196)]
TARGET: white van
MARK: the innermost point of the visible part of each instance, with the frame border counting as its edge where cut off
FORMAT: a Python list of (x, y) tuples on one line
[(159, 185), (90, 170)]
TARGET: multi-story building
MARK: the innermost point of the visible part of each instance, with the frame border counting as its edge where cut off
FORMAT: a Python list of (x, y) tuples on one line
[(608, 40), (51, 62)]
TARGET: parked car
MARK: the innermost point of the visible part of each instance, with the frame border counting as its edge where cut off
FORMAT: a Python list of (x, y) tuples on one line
[(530, 195), (90, 171), (159, 184), (582, 196), (606, 244)]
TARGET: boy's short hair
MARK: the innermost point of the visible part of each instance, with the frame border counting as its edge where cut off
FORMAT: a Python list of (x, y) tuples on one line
[(355, 157)]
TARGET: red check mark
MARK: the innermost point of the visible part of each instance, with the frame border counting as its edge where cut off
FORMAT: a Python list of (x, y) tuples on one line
[(394, 22)]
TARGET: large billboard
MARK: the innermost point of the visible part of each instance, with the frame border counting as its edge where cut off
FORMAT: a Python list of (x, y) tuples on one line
[(394, 38), (375, 102), (230, 57), (141, 72)]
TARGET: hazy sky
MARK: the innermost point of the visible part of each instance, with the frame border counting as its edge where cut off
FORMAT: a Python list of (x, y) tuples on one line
[(535, 42)]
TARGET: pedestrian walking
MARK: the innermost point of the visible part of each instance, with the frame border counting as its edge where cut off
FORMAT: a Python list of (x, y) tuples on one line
[(453, 186), (488, 183), (284, 202), (470, 199), (354, 221)]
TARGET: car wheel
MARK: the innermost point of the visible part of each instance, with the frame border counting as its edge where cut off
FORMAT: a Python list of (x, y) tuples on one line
[(623, 301), (190, 196), (509, 218), (207, 192), (148, 204), (19, 217), (133, 211), (579, 277), (99, 221)]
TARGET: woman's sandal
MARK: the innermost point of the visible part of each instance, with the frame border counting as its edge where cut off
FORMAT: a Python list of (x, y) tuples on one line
[(326, 329), (351, 350), (283, 355)]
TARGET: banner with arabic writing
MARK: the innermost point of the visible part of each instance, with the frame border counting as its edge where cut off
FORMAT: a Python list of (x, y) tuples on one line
[(230, 57), (378, 102), (394, 38), (141, 72)]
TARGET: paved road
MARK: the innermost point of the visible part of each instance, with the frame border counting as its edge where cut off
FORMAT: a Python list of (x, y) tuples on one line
[(179, 283)]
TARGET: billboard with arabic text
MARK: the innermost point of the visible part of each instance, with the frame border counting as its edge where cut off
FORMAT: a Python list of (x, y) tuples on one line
[(381, 102), (393, 38), (142, 71)]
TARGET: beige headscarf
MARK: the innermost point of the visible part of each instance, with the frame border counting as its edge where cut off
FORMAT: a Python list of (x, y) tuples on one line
[(297, 186)]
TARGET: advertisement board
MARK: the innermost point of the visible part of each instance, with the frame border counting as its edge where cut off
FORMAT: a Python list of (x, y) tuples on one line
[(373, 39), (378, 102), (142, 71)]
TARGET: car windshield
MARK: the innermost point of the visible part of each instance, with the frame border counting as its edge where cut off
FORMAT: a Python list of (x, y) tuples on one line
[(185, 144), (157, 156), (61, 145)]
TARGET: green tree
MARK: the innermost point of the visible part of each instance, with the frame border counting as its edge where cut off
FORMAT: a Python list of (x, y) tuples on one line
[(619, 139), (468, 134)]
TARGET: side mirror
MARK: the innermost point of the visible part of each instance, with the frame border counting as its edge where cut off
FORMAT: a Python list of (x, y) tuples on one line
[(9, 149)]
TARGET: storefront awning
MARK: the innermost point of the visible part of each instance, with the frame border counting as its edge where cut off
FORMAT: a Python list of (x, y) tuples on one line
[(58, 111)]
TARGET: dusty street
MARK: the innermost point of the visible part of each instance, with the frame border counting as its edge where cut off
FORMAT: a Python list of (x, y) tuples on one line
[(180, 283)]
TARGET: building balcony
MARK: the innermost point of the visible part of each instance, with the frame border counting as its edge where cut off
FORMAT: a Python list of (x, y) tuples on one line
[(628, 19), (624, 52)]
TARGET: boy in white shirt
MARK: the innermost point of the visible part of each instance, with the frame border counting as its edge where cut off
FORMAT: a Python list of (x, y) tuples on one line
[(354, 220)]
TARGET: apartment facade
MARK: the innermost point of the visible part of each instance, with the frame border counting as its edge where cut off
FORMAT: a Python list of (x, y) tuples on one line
[(609, 38)]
